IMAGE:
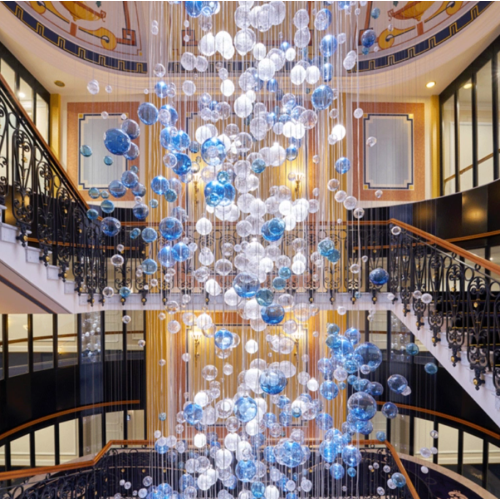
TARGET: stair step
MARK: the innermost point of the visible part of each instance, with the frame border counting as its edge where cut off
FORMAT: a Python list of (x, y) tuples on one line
[(53, 272)]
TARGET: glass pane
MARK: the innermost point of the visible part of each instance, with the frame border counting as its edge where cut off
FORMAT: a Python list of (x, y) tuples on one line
[(135, 333), (9, 75), (135, 424), (2, 458), (25, 96), (68, 441), (473, 458), (20, 452), (67, 336), (448, 132), (1, 347), (18, 344), (114, 335), (114, 426), (43, 355), (92, 434), (495, 254), (45, 451), (493, 485), (448, 447), (400, 434), (484, 100), (91, 337), (465, 136), (423, 429), (42, 117)]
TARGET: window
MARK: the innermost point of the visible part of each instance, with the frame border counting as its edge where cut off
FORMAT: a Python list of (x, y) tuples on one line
[(43, 342), (67, 338), (92, 434), (68, 441), (465, 150), (9, 75), (18, 344), (448, 138), (473, 458), (484, 101), (114, 426), (1, 347), (114, 335), (42, 117), (135, 333), (45, 453), (448, 447), (25, 96), (135, 424)]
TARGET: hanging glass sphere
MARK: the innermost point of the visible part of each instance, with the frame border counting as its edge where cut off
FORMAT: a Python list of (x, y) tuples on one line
[(264, 297), (160, 185), (397, 383), (322, 97), (149, 266), (117, 141), (431, 368), (342, 165), (412, 349), (368, 38), (245, 409), (92, 214), (149, 235), (329, 390), (328, 46), (224, 339), (129, 179), (170, 228), (273, 314), (147, 113), (181, 252), (110, 226), (117, 189), (86, 151), (246, 285), (390, 411), (368, 354), (272, 381), (273, 230), (379, 277), (214, 193)]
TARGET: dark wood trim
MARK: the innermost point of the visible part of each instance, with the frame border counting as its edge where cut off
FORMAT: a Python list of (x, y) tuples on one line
[(457, 140), (475, 173), (494, 111)]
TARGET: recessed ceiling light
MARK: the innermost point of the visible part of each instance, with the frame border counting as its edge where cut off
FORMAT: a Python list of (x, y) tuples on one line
[(430, 85), (59, 83), (468, 86)]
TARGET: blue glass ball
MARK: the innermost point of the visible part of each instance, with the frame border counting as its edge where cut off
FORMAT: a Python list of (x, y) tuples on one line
[(353, 335), (273, 314), (92, 214), (375, 13), (104, 194), (147, 113), (193, 413), (286, 418), (285, 273), (108, 161), (229, 195), (397, 383), (258, 489), (362, 406), (273, 230), (390, 410), (324, 421), (326, 247), (412, 349), (368, 38), (132, 153), (124, 292), (140, 211), (110, 226), (161, 89), (149, 266), (129, 179), (116, 141), (292, 152), (272, 85), (214, 193), (368, 354), (213, 152), (379, 277), (332, 328), (86, 151), (170, 195), (165, 257), (328, 45), (149, 235), (258, 166), (327, 72), (224, 339), (246, 285), (264, 297), (279, 284), (351, 456), (183, 165), (153, 203), (131, 128), (398, 479), (193, 9), (117, 189), (342, 165), (135, 233), (107, 206), (289, 453), (326, 19), (272, 381), (342, 348), (322, 97), (375, 389), (269, 419), (329, 390), (245, 409), (171, 228), (139, 190), (181, 252), (159, 185), (172, 113), (431, 368), (337, 471), (381, 436), (180, 141), (194, 147), (365, 51), (245, 470)]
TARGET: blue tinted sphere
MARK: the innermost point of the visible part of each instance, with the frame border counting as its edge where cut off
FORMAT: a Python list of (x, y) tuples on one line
[(124, 292), (132, 153), (193, 9), (171, 228), (229, 195), (92, 214), (193, 413), (328, 45), (149, 235), (326, 247), (129, 179), (180, 252), (342, 348), (258, 166), (107, 206), (165, 257), (172, 113), (375, 389), (116, 141), (258, 489), (170, 195), (131, 128), (246, 285), (272, 85), (140, 211), (431, 368), (325, 366), (390, 410), (368, 354), (147, 113), (86, 151), (273, 314), (180, 141), (214, 193), (279, 283), (110, 226), (324, 421), (135, 233), (322, 97), (379, 277), (159, 185), (272, 381), (375, 13), (161, 89), (183, 165), (149, 266), (337, 471), (213, 152), (289, 453), (224, 339), (264, 297), (412, 349), (286, 418), (327, 72), (245, 409), (292, 152), (381, 436), (342, 165), (329, 390), (117, 189), (368, 38), (269, 419), (94, 193), (245, 470), (353, 335), (397, 383), (365, 51), (285, 273), (351, 472), (351, 456), (362, 406), (398, 479), (139, 190), (361, 384), (273, 230), (332, 328)]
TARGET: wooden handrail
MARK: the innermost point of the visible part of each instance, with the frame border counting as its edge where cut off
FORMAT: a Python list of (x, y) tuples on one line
[(450, 247), (470, 167), (402, 469), (60, 169)]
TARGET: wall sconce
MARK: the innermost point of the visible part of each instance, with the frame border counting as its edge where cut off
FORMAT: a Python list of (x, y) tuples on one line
[(196, 180), (296, 338), (296, 177), (196, 336)]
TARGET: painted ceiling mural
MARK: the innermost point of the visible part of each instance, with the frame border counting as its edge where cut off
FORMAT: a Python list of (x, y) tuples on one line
[(113, 35)]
